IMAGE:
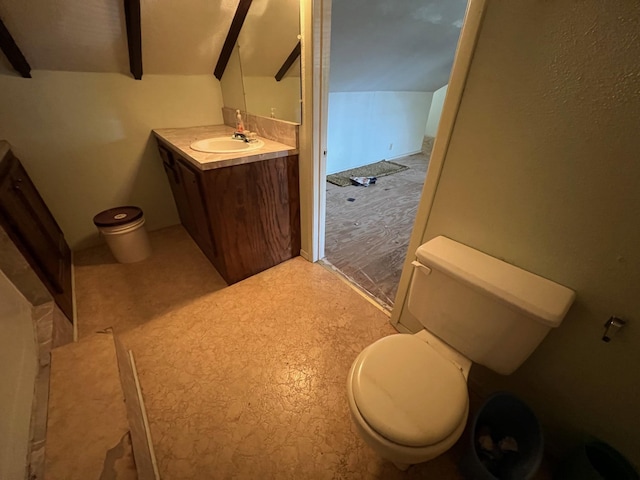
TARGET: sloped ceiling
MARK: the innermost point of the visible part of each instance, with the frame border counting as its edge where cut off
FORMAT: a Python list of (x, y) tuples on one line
[(90, 35), (391, 45), (388, 45), (184, 37), (74, 35), (269, 34)]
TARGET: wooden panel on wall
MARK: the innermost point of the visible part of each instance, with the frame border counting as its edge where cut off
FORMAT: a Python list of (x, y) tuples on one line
[(32, 228)]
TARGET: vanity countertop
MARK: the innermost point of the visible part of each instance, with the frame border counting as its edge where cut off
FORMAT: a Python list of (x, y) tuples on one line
[(179, 139)]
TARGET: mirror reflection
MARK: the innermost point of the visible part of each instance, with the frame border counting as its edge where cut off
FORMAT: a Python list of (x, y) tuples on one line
[(268, 38), (231, 83)]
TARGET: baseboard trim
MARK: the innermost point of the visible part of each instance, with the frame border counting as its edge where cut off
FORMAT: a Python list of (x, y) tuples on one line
[(403, 155), (305, 255)]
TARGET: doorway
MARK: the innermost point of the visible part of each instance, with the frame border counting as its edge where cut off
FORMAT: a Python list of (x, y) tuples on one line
[(390, 66), (367, 229)]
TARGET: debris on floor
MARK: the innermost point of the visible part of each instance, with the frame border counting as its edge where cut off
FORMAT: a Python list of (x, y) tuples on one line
[(508, 444), (363, 181), (496, 455), (485, 441)]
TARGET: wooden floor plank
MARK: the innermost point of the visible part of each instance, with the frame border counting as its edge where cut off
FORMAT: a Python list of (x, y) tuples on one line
[(367, 239)]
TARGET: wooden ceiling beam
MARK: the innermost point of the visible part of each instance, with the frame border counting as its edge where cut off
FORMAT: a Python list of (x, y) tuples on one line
[(134, 37), (13, 53), (232, 37), (293, 56)]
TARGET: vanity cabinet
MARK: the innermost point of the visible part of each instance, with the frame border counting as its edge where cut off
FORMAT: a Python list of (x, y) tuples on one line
[(32, 228), (187, 189), (245, 218)]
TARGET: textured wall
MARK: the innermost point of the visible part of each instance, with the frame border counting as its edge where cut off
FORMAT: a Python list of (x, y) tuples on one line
[(85, 140), (543, 172), (366, 127)]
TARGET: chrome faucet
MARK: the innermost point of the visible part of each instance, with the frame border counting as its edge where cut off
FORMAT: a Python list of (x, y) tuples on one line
[(240, 136)]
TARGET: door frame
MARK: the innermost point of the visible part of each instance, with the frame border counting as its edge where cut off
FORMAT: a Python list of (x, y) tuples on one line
[(316, 32)]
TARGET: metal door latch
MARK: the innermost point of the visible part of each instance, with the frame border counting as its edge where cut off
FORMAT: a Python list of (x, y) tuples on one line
[(611, 328)]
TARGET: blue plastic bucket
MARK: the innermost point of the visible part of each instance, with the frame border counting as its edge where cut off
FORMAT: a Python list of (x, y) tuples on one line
[(504, 415)]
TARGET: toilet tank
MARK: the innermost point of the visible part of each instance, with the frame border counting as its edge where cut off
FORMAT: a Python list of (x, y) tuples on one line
[(494, 313)]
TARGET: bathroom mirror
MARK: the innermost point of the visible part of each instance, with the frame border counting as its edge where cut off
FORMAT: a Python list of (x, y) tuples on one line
[(231, 83), (268, 37)]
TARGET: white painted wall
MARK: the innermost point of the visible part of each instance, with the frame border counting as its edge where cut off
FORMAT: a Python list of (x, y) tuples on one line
[(264, 93), (542, 171), (18, 369), (435, 112), (366, 127), (85, 139)]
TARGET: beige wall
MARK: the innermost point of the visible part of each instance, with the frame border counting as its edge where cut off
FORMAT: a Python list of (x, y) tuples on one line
[(543, 172), (85, 139)]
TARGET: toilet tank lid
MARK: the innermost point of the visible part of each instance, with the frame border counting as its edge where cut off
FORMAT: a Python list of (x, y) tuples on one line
[(534, 295)]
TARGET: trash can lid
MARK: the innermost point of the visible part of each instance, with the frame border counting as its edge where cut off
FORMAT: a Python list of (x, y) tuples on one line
[(117, 216)]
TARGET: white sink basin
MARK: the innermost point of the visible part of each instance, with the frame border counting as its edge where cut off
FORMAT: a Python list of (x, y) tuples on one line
[(225, 145)]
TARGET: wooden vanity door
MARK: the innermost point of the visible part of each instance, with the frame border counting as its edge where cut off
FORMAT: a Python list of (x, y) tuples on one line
[(195, 199), (30, 225), (187, 193), (254, 213), (177, 188)]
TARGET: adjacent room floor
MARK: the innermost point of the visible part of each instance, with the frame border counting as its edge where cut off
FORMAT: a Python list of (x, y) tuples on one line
[(367, 237), (245, 381)]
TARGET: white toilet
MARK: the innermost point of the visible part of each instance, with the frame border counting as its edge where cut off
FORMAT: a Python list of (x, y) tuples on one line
[(408, 393)]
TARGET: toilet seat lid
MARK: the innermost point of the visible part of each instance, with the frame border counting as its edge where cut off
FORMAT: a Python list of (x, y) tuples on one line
[(408, 392)]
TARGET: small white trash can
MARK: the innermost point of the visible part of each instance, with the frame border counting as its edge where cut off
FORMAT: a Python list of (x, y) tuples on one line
[(123, 229)]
